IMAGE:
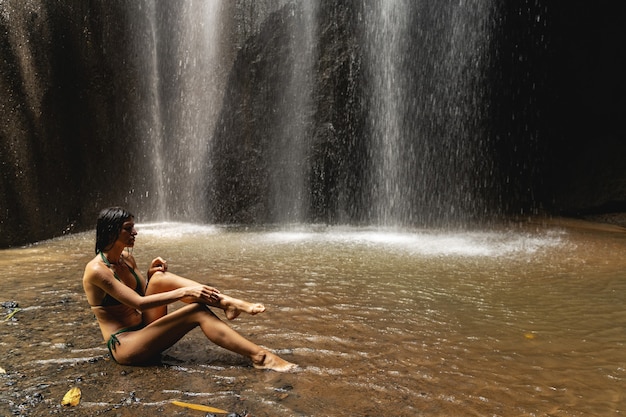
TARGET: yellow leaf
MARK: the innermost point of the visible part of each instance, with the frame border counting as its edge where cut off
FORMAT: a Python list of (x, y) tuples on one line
[(72, 397), (11, 314), (199, 407)]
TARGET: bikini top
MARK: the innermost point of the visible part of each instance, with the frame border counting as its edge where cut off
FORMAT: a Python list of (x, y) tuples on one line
[(108, 300)]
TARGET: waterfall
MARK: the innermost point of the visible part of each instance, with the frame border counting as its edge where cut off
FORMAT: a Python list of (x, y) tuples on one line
[(190, 68), (423, 88), (427, 66), (277, 111), (190, 76), (387, 48), (288, 165), (155, 138)]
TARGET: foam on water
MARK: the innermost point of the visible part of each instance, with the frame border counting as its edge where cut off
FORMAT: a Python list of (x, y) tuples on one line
[(417, 242), (431, 243), (174, 230)]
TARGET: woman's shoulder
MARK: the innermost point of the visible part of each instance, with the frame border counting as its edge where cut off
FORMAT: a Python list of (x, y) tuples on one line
[(95, 269)]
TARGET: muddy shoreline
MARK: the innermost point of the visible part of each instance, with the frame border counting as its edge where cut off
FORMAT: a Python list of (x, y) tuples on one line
[(78, 358)]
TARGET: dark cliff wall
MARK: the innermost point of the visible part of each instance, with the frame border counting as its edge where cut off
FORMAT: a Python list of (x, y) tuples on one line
[(558, 102), (71, 109), (584, 135), (46, 124), (74, 97)]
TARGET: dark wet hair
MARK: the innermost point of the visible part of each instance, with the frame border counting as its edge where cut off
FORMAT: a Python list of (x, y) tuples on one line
[(109, 226)]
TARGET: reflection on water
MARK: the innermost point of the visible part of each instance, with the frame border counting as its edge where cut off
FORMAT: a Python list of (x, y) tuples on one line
[(509, 322)]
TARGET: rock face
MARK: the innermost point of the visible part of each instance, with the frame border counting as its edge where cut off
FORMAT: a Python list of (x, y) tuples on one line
[(87, 88), (70, 110)]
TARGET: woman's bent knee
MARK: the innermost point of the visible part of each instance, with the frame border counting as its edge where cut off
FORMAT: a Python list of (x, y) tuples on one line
[(158, 283)]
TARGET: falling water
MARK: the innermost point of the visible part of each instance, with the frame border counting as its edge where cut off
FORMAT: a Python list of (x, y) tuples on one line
[(155, 130), (247, 74), (395, 112), (194, 46), (388, 38), (289, 167), (426, 66), (194, 98)]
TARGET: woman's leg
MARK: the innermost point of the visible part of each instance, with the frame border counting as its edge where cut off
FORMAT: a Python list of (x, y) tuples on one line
[(166, 281), (143, 345)]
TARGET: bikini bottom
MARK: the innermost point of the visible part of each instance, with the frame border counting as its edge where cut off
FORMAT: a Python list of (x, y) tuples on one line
[(113, 340)]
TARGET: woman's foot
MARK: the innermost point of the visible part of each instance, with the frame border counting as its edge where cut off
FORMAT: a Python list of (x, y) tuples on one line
[(233, 307), (267, 360)]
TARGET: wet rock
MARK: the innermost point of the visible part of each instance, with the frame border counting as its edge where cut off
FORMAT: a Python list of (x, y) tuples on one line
[(31, 400), (10, 308), (284, 388), (9, 304), (132, 398)]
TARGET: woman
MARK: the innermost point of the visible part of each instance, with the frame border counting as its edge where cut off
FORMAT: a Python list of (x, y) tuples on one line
[(132, 311)]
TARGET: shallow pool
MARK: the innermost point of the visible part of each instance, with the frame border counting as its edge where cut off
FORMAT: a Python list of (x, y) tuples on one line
[(524, 320)]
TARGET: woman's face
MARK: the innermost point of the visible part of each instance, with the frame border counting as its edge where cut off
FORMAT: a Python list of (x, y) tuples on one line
[(128, 233)]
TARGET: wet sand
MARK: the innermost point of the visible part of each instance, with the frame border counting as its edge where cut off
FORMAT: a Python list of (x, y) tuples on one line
[(509, 322)]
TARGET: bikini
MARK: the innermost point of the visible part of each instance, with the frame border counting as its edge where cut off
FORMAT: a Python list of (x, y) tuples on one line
[(108, 301)]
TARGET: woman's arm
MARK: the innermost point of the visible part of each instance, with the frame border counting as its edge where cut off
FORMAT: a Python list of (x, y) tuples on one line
[(102, 277)]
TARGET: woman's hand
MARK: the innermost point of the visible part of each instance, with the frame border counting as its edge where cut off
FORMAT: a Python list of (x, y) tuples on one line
[(157, 265), (201, 294)]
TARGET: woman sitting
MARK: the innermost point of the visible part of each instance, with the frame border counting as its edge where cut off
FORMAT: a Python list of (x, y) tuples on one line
[(132, 311)]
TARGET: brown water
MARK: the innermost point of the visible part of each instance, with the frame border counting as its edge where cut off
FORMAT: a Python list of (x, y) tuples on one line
[(527, 321)]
